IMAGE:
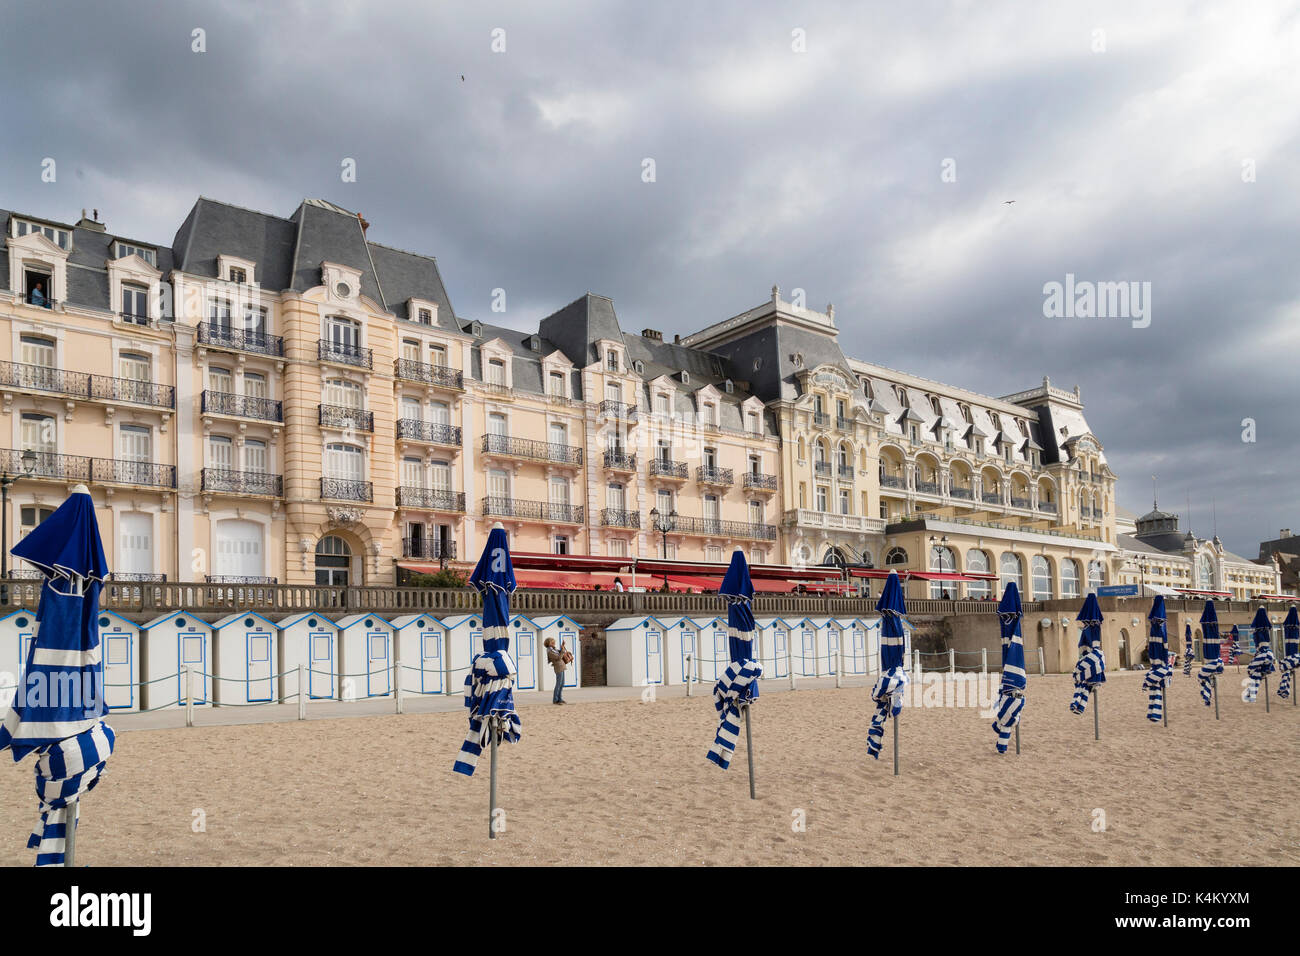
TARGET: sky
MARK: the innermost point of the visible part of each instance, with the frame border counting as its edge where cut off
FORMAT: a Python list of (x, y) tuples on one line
[(863, 153)]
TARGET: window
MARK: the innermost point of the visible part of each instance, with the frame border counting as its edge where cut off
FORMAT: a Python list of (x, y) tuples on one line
[(977, 562), (255, 385), (438, 354), (1096, 575), (412, 410), (134, 366), (221, 454), (57, 236), (710, 458), (441, 476), (255, 320), (343, 393), (711, 512), (135, 303), (40, 288), (1069, 578), (818, 407), (751, 422), (611, 360), (895, 556), (37, 350), (710, 415), (846, 503), (617, 547), (425, 316), (220, 379), (238, 275), (664, 450), (39, 433), (756, 512), (942, 558), (661, 404), (136, 443), (559, 433), (821, 498), (343, 334), (411, 350), (664, 501), (498, 484), (255, 458), (497, 424), (496, 373), (559, 491), (1041, 573), (30, 517), (755, 465), (344, 462), (333, 562), (555, 384), (1011, 570), (125, 249), (219, 314)]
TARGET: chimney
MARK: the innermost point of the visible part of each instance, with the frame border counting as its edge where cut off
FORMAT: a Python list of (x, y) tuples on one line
[(677, 340), (1284, 533), (364, 225), (652, 334), (94, 225)]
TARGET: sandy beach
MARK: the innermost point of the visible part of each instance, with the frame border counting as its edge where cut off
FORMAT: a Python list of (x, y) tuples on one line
[(625, 782)]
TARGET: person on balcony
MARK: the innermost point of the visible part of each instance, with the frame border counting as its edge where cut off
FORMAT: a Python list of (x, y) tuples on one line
[(37, 295)]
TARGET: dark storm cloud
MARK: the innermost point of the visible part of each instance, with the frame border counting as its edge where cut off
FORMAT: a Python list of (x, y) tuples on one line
[(816, 170)]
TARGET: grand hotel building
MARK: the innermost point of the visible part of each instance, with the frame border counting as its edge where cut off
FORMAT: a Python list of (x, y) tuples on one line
[(287, 399)]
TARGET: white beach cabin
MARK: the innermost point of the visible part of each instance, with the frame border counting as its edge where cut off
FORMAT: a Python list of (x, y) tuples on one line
[(167, 644), (567, 631), (857, 649), (635, 652), (244, 659), (525, 648), (119, 646), (774, 648), (464, 640), (423, 652), (312, 640), (17, 629), (365, 656)]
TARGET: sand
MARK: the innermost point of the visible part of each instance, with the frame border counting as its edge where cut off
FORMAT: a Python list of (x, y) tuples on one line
[(626, 783)]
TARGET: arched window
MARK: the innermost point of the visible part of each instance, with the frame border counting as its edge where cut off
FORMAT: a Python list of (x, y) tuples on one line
[(1011, 569), (977, 562), (819, 452), (895, 556), (1204, 573), (942, 558), (835, 557), (333, 562), (1096, 575), (1041, 571), (1069, 578), (803, 449)]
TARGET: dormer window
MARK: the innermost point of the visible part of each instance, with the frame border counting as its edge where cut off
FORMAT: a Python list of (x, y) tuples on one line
[(535, 343), (477, 330), (135, 304), (555, 384), (238, 276), (425, 316), (730, 386), (611, 360), (125, 249), (496, 371), (639, 366), (59, 237), (686, 377), (934, 406), (965, 413)]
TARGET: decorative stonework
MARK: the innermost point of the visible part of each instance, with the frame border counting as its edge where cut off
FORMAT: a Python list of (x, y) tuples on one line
[(343, 516)]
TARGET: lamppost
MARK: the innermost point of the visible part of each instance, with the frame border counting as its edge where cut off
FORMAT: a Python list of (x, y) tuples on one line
[(664, 524), (940, 545), (1142, 566), (28, 459)]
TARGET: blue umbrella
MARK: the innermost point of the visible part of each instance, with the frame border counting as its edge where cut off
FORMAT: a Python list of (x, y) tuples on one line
[(888, 691), (1262, 663), (59, 708), (1290, 654), (1090, 671), (1235, 650), (490, 684), (1159, 675), (1011, 695), (738, 687), (1211, 656), (1187, 650)]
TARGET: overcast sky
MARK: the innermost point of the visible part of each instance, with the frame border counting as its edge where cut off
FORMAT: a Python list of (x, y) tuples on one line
[(1123, 131)]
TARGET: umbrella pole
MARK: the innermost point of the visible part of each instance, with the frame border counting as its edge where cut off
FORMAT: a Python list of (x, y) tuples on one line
[(1017, 737), (70, 834), (1096, 714), (492, 785), (896, 745), (1266, 707), (1214, 690), (749, 752)]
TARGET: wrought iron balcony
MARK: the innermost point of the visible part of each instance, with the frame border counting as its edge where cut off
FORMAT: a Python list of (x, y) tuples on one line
[(429, 549), (842, 423), (430, 499), (617, 460), (1019, 502), (48, 465), (991, 498), (134, 318), (137, 577), (893, 481), (80, 385), (341, 353), (533, 510), (617, 410), (715, 528), (242, 406), (928, 487), (106, 388), (239, 579), (133, 472), (618, 518), (964, 493), (845, 472), (439, 376), (663, 468), (509, 447), (241, 482), (821, 419), (435, 433), (756, 482), (714, 476), (1048, 506), (341, 416), (822, 469), (346, 489), (240, 340)]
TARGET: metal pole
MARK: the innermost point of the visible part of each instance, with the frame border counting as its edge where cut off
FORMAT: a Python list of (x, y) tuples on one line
[(952, 661), (1017, 737), (984, 663), (688, 675), (1214, 691), (302, 694), (1096, 715), (749, 752), (189, 696), (70, 833), (839, 657), (895, 743), (492, 783), (1266, 706), (789, 658), (1042, 664)]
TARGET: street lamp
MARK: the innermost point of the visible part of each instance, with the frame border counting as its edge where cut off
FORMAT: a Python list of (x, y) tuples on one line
[(28, 459), (941, 545), (1142, 566), (664, 524)]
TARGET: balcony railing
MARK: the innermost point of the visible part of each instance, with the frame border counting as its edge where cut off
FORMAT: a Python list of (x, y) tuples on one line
[(842, 423), (618, 410), (436, 433), (440, 376), (928, 487), (535, 450), (532, 510), (663, 468), (821, 419), (430, 499), (243, 406), (80, 385), (756, 482), (714, 476), (964, 493), (845, 472), (430, 549), (991, 498), (343, 354), (48, 465), (1048, 506), (715, 528), (893, 481), (346, 489), (1019, 502), (134, 318), (241, 482), (341, 416), (618, 518), (239, 579), (822, 469), (240, 340), (620, 461), (137, 577), (133, 472)]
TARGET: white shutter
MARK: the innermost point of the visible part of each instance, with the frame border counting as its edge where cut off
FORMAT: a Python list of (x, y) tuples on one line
[(136, 443), (135, 539), (498, 484), (440, 413), (614, 497), (239, 549), (254, 385), (39, 433), (255, 457), (441, 476), (220, 452), (413, 473), (559, 491), (412, 409), (219, 380)]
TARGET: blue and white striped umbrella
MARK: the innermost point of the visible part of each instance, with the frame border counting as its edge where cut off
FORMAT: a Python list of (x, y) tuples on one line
[(1234, 650), (888, 691), (1090, 671), (1211, 654), (490, 684), (738, 686), (1290, 651), (58, 710), (1187, 650), (1011, 695), (1262, 663), (1161, 673)]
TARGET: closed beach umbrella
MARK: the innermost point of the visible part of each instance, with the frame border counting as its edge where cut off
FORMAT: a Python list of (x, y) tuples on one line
[(888, 691), (1235, 649), (1290, 653), (738, 687), (490, 684), (1211, 656), (1187, 650), (1011, 695), (1159, 675), (58, 710), (1262, 663), (1090, 671)]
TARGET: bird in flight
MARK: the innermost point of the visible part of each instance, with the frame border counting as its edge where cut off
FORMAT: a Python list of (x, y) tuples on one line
[(462, 77), (1005, 202)]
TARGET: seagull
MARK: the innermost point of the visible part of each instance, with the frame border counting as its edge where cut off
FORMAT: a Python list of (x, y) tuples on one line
[(462, 77), (1005, 202)]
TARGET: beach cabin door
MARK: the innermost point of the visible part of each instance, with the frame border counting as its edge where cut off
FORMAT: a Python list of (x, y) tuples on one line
[(378, 677), (721, 652), (780, 644), (525, 646), (431, 662), (320, 679), (654, 665), (570, 639), (859, 651), (809, 653), (259, 671), (832, 647), (119, 690), (192, 651), (688, 653)]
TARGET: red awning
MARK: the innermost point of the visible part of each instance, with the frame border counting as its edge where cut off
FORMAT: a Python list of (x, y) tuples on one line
[(546, 579), (771, 585), (822, 587), (418, 568), (1277, 597), (567, 562), (710, 569), (1210, 593), (925, 575)]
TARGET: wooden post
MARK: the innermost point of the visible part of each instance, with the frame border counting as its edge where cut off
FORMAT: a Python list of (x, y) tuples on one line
[(688, 674), (839, 662), (952, 662), (749, 752), (1096, 715), (302, 694), (984, 663), (1042, 664), (189, 696)]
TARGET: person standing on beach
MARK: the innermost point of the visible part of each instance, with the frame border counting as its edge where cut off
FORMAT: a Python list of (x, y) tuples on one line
[(556, 658)]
